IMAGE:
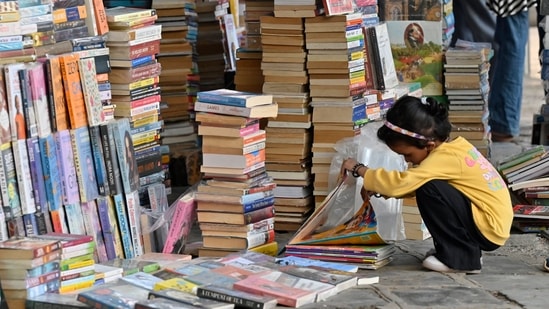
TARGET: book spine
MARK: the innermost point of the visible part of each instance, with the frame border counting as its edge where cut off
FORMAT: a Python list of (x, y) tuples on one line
[(74, 218), (93, 227), (222, 109), (67, 167), (134, 74), (120, 207), (39, 99), (136, 34), (13, 94), (24, 180), (52, 177), (58, 112), (132, 205), (259, 214), (115, 230), (130, 16), (58, 220), (73, 90), (92, 97), (99, 161), (140, 50), (31, 227), (26, 101), (37, 174), (106, 228), (259, 204), (111, 162), (100, 17), (139, 101), (149, 166), (216, 294), (8, 183), (15, 227)]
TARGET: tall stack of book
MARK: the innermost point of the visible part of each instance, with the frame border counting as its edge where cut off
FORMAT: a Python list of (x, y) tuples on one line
[(29, 267), (467, 87), (337, 76), (248, 75), (289, 146), (233, 147)]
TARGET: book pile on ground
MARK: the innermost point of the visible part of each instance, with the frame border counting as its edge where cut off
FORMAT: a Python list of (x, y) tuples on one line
[(235, 202), (467, 87), (337, 77), (528, 165), (29, 267), (414, 228), (76, 262)]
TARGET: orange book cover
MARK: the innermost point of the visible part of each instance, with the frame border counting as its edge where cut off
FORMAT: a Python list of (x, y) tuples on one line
[(100, 17), (73, 90)]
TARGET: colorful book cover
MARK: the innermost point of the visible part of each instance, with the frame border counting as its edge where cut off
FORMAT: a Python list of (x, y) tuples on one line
[(132, 206), (74, 218), (58, 221), (142, 279), (92, 97), (39, 98), (181, 223), (111, 159), (5, 131), (52, 173), (125, 151), (83, 163), (106, 228), (24, 180), (93, 227), (120, 206), (13, 95), (418, 54), (8, 183), (118, 294), (67, 169), (99, 161), (27, 247), (37, 174), (234, 97), (31, 126), (56, 92), (73, 90), (115, 228)]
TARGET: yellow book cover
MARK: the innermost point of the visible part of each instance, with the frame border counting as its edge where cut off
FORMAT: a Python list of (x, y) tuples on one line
[(179, 284)]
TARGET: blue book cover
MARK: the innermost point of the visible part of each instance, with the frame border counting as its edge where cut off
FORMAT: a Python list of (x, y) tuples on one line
[(52, 176), (120, 206), (93, 227), (106, 228), (126, 154), (234, 98), (258, 204), (99, 161), (37, 174), (8, 183), (31, 226), (67, 169), (74, 219), (83, 163), (299, 261)]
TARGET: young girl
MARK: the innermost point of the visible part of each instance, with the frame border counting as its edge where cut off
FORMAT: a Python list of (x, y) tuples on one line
[(462, 199)]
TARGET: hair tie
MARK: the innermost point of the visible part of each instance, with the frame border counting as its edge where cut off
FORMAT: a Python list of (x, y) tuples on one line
[(400, 130)]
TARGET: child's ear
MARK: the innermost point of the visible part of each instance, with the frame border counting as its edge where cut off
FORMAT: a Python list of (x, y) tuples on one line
[(430, 145)]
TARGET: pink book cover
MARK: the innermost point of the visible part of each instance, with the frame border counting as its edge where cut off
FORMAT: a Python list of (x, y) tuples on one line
[(285, 294), (93, 227), (92, 97), (182, 220), (40, 99), (65, 155)]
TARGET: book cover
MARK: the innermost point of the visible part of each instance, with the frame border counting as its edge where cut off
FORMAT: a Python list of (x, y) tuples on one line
[(5, 131), (18, 273), (134, 265), (74, 97), (67, 168), (13, 95), (37, 174), (111, 159), (56, 94), (142, 279), (239, 298), (84, 163), (68, 241), (39, 98), (28, 105), (90, 89), (99, 160), (181, 223), (125, 152), (285, 294), (93, 227), (132, 206), (117, 14), (115, 227), (24, 180), (418, 54), (74, 219), (106, 228), (176, 283), (258, 111), (122, 218), (11, 203), (189, 299), (340, 281), (118, 294), (27, 247), (52, 172), (338, 7)]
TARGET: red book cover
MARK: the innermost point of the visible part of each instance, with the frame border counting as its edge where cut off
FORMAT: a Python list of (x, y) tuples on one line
[(27, 248)]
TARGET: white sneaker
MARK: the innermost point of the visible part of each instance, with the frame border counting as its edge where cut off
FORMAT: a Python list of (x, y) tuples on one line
[(432, 263)]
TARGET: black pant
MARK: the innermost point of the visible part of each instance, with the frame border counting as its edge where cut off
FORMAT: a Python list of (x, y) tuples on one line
[(448, 216)]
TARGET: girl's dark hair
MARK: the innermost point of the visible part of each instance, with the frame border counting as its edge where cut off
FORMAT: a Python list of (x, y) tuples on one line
[(428, 118)]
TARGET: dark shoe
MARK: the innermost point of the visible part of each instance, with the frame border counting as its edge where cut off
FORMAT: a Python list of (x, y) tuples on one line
[(546, 264), (502, 138)]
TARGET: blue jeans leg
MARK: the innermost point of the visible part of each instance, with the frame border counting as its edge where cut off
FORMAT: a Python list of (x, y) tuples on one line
[(508, 72)]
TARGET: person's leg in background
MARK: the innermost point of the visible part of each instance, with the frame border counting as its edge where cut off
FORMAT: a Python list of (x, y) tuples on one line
[(507, 76)]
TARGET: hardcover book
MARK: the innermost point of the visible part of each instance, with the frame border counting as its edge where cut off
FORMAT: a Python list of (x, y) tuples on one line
[(234, 98), (73, 90), (67, 170)]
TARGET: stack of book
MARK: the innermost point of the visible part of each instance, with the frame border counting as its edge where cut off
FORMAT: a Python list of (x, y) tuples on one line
[(29, 267), (233, 163), (106, 274), (336, 66), (525, 166), (414, 228), (467, 87)]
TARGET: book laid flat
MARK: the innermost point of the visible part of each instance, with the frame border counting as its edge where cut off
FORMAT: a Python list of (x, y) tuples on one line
[(27, 248), (234, 97)]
